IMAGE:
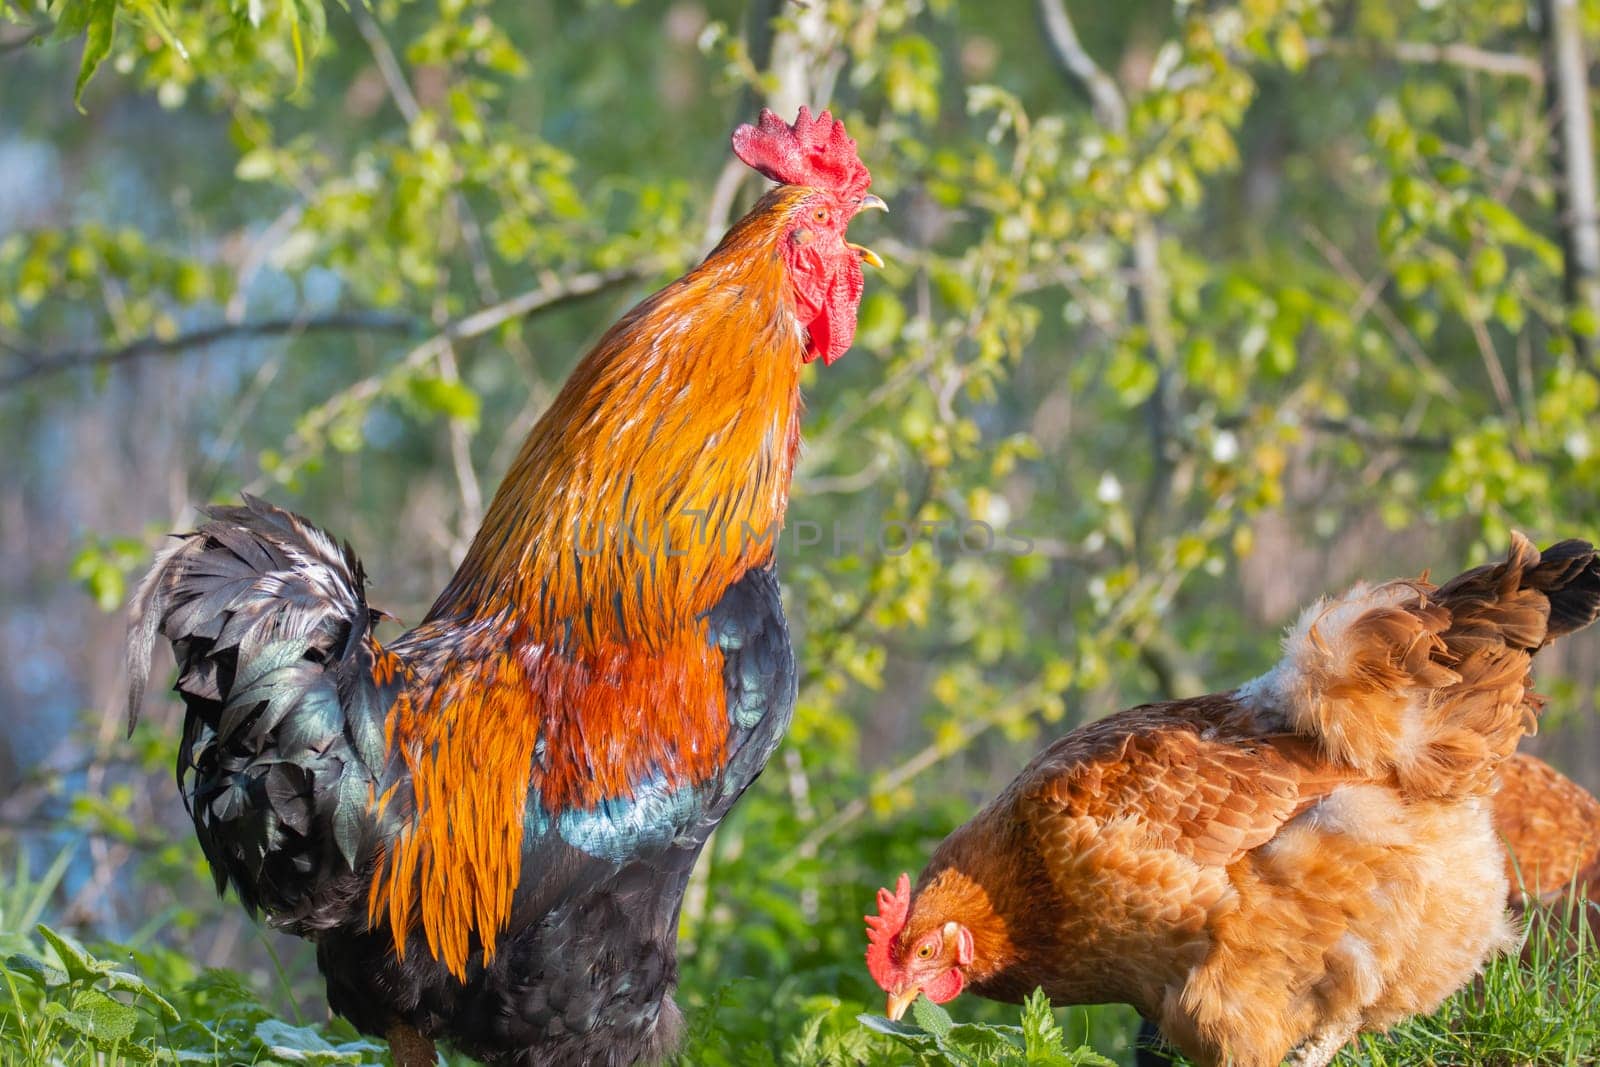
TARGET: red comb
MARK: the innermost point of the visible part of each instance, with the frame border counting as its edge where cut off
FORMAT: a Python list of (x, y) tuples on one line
[(883, 927), (815, 152)]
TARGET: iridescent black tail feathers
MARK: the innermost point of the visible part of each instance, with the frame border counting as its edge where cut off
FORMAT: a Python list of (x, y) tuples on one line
[(283, 739)]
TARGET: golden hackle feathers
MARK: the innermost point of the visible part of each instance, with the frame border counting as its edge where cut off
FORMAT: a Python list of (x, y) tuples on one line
[(657, 478)]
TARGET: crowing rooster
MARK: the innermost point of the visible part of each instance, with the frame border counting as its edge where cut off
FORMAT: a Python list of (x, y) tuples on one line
[(1274, 868), (487, 825)]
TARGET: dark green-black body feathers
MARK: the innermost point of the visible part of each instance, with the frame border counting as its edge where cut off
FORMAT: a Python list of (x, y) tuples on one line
[(283, 737)]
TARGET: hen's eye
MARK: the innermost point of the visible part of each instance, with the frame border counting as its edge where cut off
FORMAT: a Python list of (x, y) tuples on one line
[(820, 214), (924, 951)]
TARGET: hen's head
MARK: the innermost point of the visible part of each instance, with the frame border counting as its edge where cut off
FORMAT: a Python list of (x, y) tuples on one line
[(909, 954), (826, 188)]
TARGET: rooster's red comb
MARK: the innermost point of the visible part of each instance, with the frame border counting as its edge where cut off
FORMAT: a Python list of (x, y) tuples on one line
[(883, 927), (814, 151)]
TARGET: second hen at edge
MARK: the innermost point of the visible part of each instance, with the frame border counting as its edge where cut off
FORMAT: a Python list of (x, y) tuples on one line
[(1270, 869)]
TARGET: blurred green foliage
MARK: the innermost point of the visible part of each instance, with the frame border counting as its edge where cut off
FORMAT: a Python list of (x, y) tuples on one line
[(1345, 327)]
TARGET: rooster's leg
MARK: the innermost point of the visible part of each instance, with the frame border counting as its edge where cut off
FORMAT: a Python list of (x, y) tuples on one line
[(410, 1047)]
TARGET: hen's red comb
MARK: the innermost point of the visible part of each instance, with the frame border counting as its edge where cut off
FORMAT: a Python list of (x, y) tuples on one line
[(815, 152), (883, 927)]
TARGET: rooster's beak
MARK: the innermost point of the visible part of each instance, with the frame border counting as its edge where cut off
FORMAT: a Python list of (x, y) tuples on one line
[(867, 255), (899, 1002)]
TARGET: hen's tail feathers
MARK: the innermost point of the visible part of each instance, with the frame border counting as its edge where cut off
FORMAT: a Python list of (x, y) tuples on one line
[(286, 694), (1431, 685)]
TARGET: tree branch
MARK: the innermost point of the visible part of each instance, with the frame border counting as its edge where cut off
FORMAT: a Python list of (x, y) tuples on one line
[(1463, 56), (405, 101), (1150, 305), (1574, 160), (466, 328), (40, 364), (17, 44), (1109, 107), (1356, 430)]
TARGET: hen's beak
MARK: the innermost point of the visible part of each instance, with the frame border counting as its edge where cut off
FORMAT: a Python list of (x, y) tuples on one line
[(899, 1002), (871, 203), (867, 255)]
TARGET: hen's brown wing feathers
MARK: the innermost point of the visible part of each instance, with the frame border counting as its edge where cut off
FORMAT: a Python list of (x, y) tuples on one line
[(1185, 773)]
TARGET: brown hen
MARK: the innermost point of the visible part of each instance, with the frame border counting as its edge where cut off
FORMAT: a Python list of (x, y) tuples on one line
[(1551, 829), (1275, 868)]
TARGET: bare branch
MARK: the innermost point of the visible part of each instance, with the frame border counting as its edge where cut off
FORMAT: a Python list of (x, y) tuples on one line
[(545, 297), (1150, 305), (1354, 428), (17, 44), (405, 100), (1403, 338), (388, 63), (480, 322), (1109, 107), (1463, 56), (461, 456), (40, 364)]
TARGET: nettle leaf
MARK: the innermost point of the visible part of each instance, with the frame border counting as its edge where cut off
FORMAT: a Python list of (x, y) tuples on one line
[(932, 1018), (80, 965), (884, 1025), (129, 982), (96, 1016), (36, 971), (302, 1044)]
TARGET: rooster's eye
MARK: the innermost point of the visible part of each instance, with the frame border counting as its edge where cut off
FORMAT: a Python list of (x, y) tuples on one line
[(820, 214), (924, 951)]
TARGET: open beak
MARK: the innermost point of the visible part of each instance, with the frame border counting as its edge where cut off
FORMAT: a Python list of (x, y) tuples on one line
[(867, 255), (899, 1002), (870, 203)]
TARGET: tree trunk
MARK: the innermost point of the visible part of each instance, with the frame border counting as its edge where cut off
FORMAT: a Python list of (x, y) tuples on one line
[(1568, 80)]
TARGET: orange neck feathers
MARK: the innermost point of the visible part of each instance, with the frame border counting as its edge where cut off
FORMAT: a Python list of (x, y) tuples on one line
[(571, 644), (660, 474), (953, 896)]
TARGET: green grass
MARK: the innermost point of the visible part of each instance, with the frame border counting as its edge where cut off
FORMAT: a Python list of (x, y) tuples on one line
[(107, 1005), (1544, 1010)]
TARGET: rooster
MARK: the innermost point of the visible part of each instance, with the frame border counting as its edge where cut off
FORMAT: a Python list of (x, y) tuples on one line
[(1271, 869), (486, 826)]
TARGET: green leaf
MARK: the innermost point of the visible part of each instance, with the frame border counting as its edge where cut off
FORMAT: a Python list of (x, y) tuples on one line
[(98, 21), (452, 399), (884, 1025), (97, 1017), (1488, 267), (36, 971), (302, 1044), (131, 983), (932, 1018), (80, 965)]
